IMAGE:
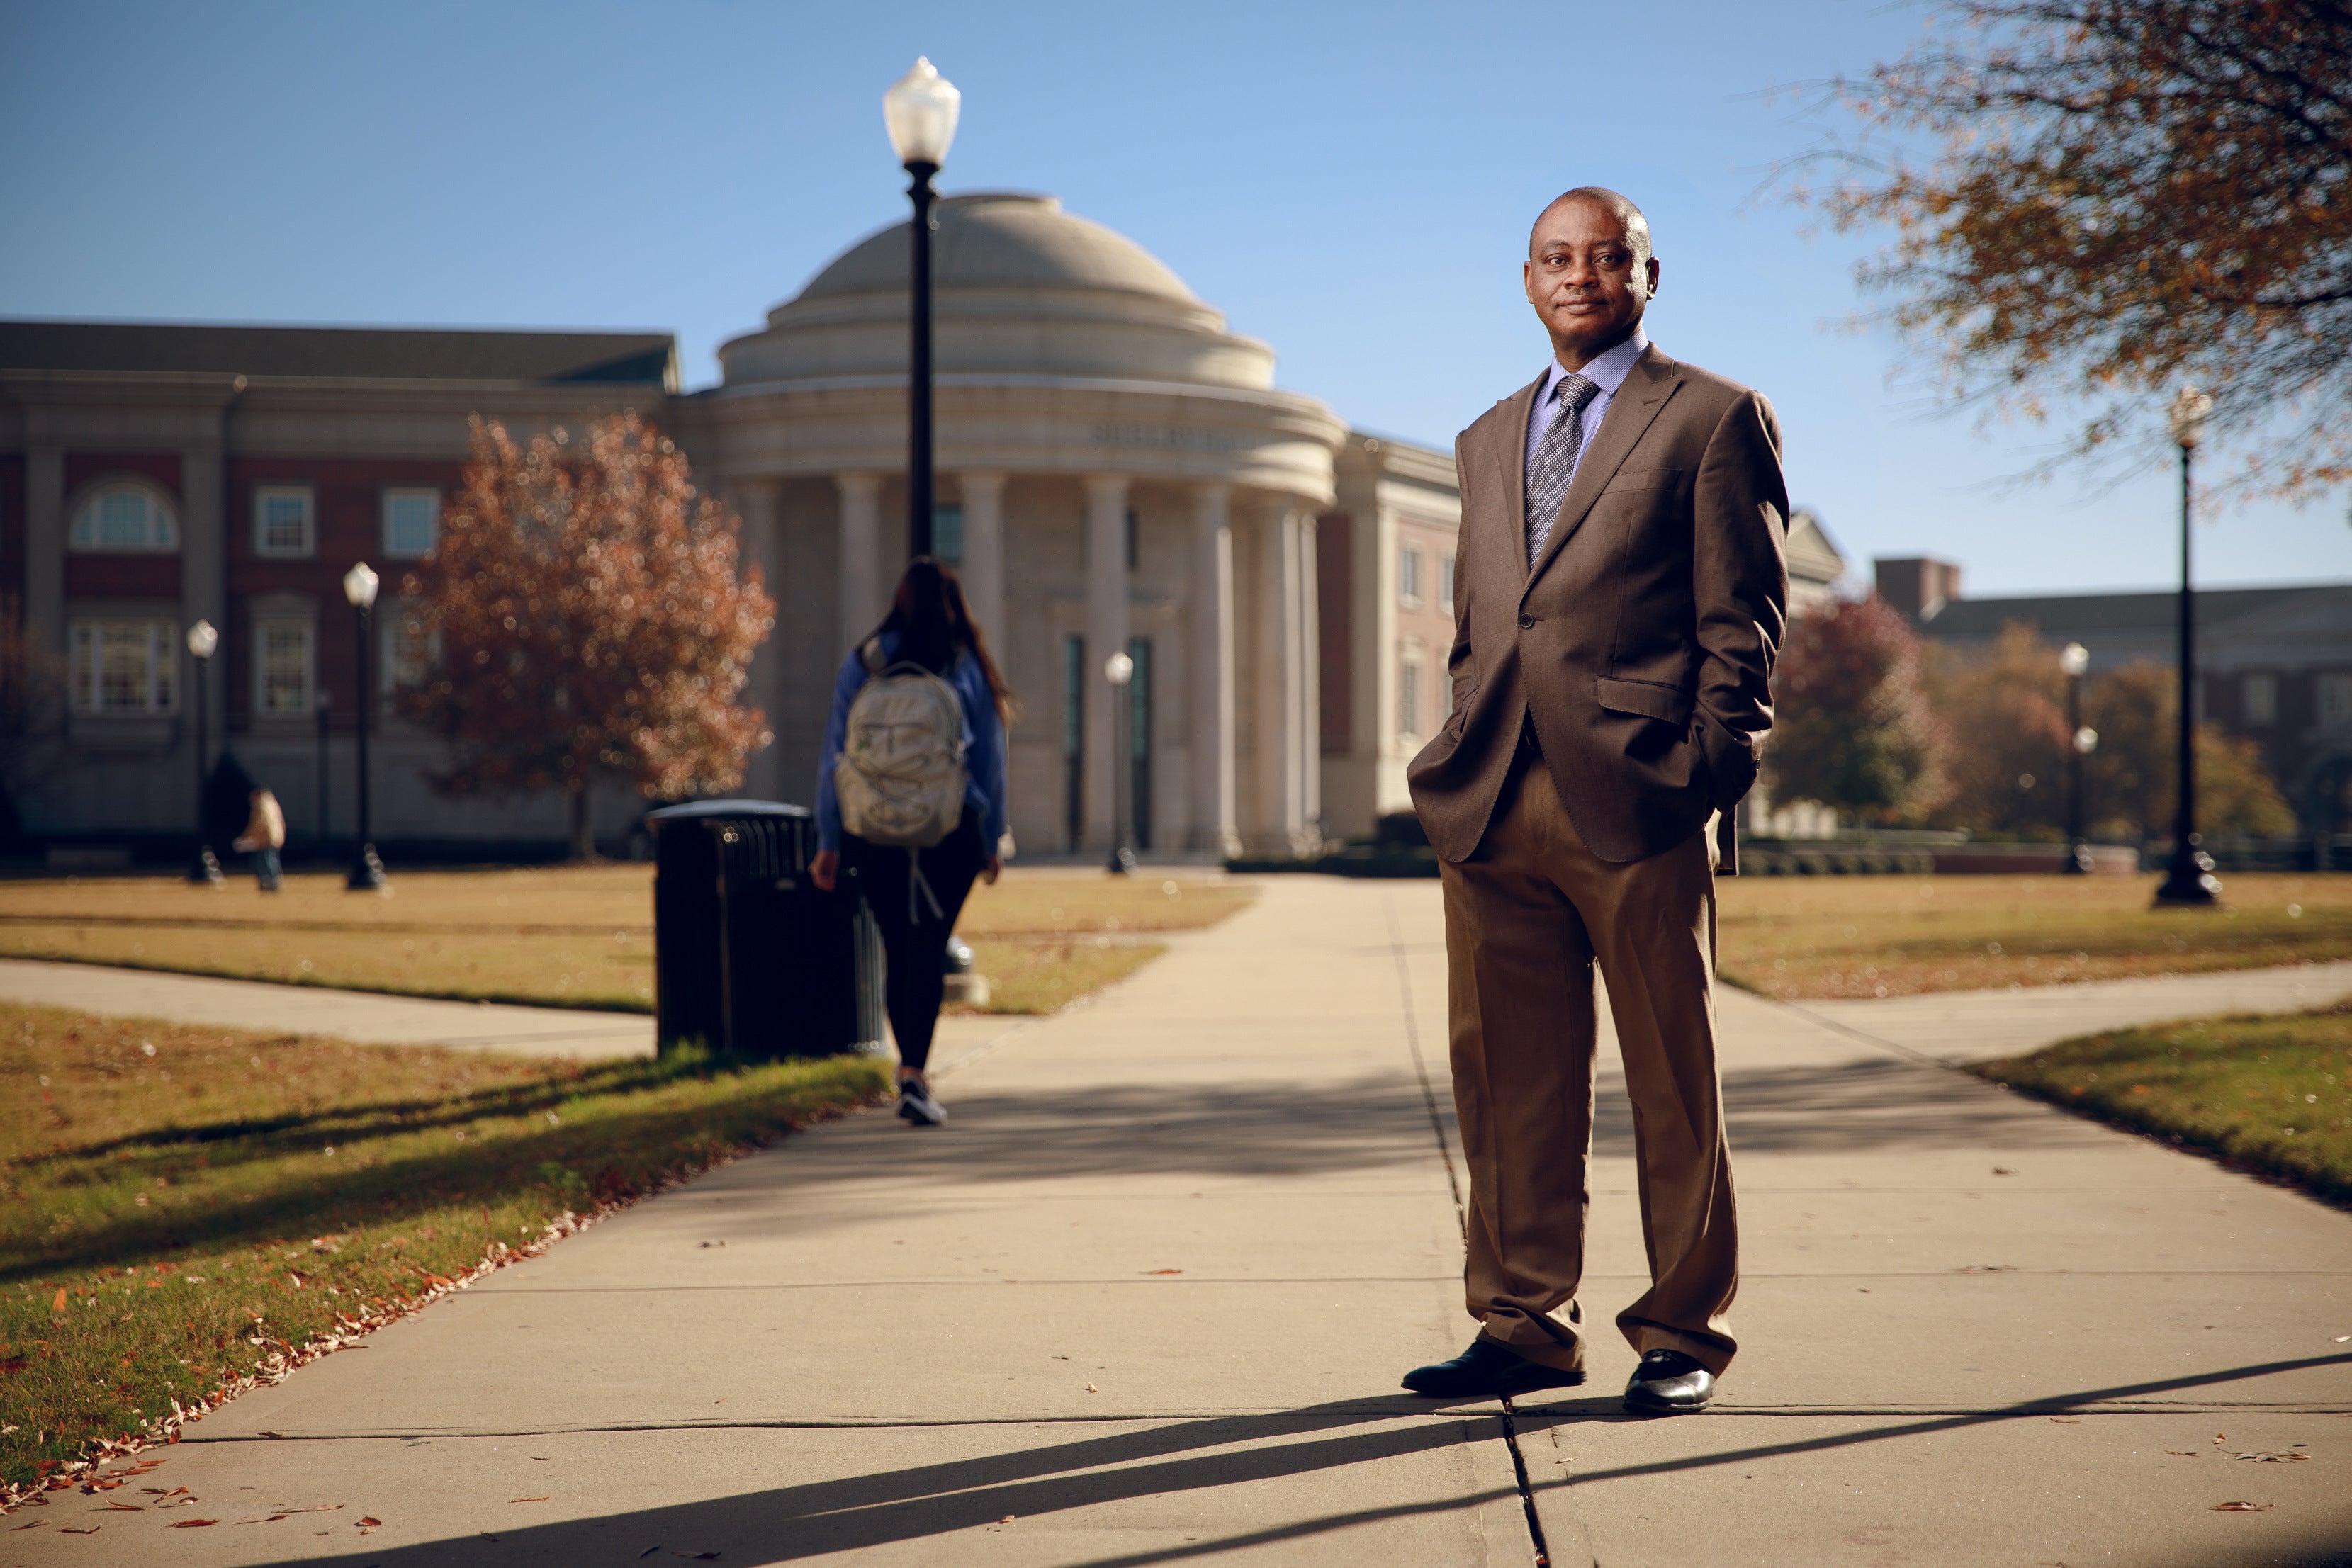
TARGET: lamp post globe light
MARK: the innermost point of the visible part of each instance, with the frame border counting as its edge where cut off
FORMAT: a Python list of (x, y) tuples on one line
[(1119, 669), (2075, 660), (204, 640), (2189, 880), (367, 876), (919, 112)]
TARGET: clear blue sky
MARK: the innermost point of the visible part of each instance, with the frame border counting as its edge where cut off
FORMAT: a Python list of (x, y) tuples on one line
[(1351, 183)]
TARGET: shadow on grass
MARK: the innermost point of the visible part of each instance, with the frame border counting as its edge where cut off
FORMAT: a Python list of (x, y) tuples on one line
[(610, 1154)]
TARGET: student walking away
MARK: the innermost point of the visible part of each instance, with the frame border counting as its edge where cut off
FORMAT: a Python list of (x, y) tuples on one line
[(910, 797), (264, 836)]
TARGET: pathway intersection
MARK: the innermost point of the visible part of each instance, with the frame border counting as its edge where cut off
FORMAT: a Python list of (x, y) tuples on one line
[(1145, 1300)]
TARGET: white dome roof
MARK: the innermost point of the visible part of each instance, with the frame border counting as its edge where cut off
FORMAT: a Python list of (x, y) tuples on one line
[(1002, 239), (1020, 288)]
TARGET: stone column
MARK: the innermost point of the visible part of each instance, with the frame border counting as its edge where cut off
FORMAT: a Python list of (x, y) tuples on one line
[(1106, 633), (861, 588), (1214, 824), (45, 547), (983, 554), (1280, 816), (759, 502), (1306, 839), (1373, 591)]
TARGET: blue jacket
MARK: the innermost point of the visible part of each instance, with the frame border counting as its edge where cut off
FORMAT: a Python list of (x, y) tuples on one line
[(983, 746)]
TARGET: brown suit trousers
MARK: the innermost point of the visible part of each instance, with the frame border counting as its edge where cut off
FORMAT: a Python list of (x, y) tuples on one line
[(1526, 917)]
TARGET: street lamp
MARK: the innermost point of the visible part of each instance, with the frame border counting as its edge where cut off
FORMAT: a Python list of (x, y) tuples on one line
[(2189, 880), (1119, 669), (326, 727), (2080, 741), (203, 641), (367, 871), (920, 110)]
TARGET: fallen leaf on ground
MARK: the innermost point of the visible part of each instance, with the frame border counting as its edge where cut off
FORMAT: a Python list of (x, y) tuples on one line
[(1006, 1520), (648, 1551), (1163, 1271), (2265, 1457), (485, 1535), (2067, 1420), (2240, 1507), (59, 1305), (698, 1556), (2182, 1453), (2003, 1170), (77, 1530), (370, 1519), (134, 1508), (526, 1499), (192, 1523), (1092, 1389), (35, 1525)]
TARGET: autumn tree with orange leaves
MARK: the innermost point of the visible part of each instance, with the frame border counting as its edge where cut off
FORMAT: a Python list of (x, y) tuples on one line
[(591, 618), (2097, 202)]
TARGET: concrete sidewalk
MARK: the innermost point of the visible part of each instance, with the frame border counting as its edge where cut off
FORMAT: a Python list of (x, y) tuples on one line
[(1145, 1300)]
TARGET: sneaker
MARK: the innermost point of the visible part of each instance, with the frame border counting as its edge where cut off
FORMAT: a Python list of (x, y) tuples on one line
[(916, 1105)]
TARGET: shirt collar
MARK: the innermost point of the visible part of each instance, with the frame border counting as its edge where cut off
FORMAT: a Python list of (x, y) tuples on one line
[(1608, 372)]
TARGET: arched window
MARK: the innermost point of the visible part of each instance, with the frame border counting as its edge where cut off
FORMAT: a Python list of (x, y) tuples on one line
[(124, 515)]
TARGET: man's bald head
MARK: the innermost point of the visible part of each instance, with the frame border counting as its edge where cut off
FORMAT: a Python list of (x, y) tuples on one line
[(1637, 228)]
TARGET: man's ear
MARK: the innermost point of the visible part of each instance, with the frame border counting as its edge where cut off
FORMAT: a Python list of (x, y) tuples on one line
[(1653, 277)]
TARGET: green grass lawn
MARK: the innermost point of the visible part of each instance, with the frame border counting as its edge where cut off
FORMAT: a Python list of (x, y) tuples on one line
[(561, 936), (1802, 938), (184, 1210), (2267, 1093)]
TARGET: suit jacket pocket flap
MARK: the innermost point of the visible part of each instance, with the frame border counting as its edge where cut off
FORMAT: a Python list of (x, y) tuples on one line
[(1649, 698)]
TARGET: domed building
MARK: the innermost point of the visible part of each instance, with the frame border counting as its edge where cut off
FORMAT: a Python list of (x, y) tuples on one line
[(1116, 471)]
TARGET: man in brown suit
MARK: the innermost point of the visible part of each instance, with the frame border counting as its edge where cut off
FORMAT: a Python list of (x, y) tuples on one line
[(1620, 593)]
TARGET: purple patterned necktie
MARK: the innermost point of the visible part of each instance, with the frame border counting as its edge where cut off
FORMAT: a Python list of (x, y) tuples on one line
[(1555, 460)]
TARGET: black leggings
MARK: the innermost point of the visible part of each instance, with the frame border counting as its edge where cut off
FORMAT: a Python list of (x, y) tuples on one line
[(914, 938)]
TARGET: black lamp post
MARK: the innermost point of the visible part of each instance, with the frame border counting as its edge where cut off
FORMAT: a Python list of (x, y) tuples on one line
[(326, 725), (367, 871), (919, 112), (203, 640), (1119, 669), (2081, 741), (2189, 880)]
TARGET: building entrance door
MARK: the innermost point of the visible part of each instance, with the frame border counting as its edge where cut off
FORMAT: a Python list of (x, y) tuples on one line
[(1138, 732)]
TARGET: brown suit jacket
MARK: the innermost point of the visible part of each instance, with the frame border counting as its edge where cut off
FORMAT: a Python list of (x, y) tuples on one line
[(1641, 643)]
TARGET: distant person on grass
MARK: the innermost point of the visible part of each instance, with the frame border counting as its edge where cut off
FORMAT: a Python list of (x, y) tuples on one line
[(264, 836), (911, 797)]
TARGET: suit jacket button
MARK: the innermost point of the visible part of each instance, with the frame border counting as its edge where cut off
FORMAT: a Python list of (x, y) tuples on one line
[(1525, 621)]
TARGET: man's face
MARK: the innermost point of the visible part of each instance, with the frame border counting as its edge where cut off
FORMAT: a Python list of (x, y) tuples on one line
[(1584, 280)]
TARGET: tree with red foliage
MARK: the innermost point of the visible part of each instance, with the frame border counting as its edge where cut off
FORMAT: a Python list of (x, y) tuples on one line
[(1852, 727), (591, 620)]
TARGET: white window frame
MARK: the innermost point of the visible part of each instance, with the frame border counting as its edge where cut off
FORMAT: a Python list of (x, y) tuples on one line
[(307, 704), (2258, 699), (1445, 581), (86, 636), (392, 626), (302, 548), (1412, 677), (1409, 570), (392, 493), (162, 528), (2335, 698)]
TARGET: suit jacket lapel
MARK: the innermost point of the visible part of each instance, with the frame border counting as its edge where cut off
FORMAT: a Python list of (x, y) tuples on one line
[(1511, 462), (1639, 398)]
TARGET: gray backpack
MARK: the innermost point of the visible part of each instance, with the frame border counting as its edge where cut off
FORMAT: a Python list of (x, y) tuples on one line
[(900, 779)]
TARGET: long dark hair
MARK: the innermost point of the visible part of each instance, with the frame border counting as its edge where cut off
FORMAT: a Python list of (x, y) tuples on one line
[(934, 625)]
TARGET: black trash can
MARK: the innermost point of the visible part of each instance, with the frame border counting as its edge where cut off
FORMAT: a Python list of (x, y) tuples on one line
[(750, 956)]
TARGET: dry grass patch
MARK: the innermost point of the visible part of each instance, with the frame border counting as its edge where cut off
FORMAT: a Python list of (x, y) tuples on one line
[(183, 1209), (2267, 1093), (1802, 938), (562, 936)]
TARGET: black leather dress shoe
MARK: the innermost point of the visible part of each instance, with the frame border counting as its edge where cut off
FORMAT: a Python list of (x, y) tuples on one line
[(1669, 1382), (1487, 1370)]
